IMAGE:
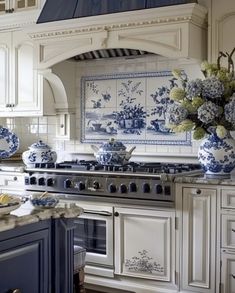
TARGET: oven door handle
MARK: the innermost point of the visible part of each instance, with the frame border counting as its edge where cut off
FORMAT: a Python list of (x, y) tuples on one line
[(100, 213)]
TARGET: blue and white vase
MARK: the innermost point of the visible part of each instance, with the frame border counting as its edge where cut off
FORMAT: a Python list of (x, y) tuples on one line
[(217, 156)]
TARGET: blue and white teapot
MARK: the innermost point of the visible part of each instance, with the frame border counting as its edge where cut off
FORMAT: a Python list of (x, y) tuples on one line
[(39, 153), (112, 152)]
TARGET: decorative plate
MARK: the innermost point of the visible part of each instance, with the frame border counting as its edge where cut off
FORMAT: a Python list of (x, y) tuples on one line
[(5, 209), (9, 143)]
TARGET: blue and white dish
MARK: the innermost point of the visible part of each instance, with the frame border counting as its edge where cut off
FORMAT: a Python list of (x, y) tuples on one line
[(44, 202), (9, 143), (39, 153)]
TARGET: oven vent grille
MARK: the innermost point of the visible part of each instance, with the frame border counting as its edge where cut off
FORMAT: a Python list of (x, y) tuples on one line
[(110, 53)]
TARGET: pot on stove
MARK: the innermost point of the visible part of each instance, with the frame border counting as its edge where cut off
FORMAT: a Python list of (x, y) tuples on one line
[(112, 152), (39, 153)]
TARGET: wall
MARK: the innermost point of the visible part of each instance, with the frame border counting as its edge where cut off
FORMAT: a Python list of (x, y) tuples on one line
[(30, 130)]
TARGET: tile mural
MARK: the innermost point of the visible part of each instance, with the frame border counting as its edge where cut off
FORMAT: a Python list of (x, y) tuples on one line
[(130, 107)]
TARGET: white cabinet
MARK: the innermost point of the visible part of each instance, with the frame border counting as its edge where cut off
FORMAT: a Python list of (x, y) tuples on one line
[(199, 240), (227, 219), (10, 6), (145, 243), (223, 22), (21, 87)]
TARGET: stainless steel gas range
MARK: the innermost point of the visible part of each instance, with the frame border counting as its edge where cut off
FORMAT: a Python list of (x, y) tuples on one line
[(135, 183), (99, 190)]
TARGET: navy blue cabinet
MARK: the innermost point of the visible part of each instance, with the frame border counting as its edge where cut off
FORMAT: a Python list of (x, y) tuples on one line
[(24, 263), (37, 258)]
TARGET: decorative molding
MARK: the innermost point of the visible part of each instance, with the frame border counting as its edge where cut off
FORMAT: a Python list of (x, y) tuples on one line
[(193, 13)]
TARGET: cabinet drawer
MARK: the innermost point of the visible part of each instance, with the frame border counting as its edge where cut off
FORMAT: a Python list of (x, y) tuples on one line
[(228, 198), (228, 231), (12, 180)]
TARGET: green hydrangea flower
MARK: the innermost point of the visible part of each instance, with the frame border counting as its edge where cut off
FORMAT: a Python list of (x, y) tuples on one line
[(205, 66), (177, 94), (221, 131), (185, 125), (199, 133), (188, 105), (197, 102)]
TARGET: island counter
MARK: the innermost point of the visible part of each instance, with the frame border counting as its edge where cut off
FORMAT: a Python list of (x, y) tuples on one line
[(36, 250)]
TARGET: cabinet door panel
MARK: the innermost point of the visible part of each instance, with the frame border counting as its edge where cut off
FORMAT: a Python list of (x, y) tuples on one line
[(25, 91), (199, 238), (228, 231), (228, 272), (144, 243), (5, 48), (24, 263), (228, 198)]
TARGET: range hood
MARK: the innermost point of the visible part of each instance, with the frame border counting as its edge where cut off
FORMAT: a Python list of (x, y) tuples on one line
[(55, 10), (177, 31)]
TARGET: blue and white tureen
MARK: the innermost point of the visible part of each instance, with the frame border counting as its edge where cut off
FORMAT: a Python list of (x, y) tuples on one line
[(39, 153), (112, 152)]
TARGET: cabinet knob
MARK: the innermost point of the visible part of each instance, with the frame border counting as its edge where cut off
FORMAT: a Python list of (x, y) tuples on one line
[(232, 275), (14, 291), (116, 214), (198, 191)]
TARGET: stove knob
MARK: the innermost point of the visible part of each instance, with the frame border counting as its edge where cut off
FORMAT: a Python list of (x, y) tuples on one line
[(50, 182), (167, 190), (159, 189), (146, 188), (96, 185), (41, 181), (81, 186), (123, 188), (133, 187), (67, 183), (32, 180), (112, 188)]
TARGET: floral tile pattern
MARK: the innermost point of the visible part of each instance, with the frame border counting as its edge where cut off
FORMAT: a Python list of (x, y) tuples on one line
[(130, 107)]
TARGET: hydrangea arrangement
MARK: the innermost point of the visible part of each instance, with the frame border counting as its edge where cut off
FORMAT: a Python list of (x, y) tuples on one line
[(203, 104)]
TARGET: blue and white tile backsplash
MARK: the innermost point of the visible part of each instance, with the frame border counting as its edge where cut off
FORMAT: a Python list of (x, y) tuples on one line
[(130, 107), (30, 130)]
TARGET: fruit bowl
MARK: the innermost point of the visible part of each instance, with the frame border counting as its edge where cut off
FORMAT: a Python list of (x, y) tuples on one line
[(8, 203), (43, 201)]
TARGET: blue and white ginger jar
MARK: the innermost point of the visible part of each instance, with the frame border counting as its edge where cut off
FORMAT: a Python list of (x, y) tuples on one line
[(39, 153), (217, 156), (112, 152)]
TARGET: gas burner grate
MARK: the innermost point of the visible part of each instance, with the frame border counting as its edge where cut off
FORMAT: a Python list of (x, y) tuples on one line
[(132, 167)]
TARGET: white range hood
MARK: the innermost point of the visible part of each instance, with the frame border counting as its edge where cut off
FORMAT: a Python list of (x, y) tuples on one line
[(177, 31)]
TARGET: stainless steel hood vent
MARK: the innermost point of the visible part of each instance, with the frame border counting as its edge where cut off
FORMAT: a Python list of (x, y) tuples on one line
[(110, 53)]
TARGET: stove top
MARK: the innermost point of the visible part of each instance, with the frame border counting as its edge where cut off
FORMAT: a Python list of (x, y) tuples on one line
[(135, 182), (131, 167)]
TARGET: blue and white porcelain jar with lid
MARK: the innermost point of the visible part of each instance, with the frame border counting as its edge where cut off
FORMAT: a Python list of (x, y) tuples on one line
[(39, 153)]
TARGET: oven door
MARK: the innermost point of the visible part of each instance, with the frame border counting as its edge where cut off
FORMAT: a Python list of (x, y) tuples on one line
[(94, 232)]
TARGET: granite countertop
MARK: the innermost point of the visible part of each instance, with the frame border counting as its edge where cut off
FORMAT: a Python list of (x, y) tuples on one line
[(202, 179), (27, 214)]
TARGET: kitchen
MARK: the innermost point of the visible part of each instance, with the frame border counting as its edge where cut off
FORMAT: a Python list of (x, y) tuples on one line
[(177, 38)]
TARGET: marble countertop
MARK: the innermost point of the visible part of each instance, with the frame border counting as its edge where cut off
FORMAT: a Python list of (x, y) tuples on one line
[(27, 214), (202, 179)]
